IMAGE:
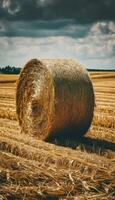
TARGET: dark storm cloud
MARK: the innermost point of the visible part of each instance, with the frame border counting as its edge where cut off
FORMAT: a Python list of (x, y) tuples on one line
[(83, 11), (82, 29), (42, 18), (43, 28)]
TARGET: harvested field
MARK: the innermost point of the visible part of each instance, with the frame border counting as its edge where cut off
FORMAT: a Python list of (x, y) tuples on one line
[(33, 169)]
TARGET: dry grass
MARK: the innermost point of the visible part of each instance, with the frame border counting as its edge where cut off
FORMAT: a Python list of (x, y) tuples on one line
[(47, 170), (4, 78), (31, 169), (54, 94)]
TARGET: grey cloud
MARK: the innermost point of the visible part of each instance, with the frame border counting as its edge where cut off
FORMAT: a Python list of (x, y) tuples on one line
[(83, 11), (11, 6), (43, 29), (93, 50), (43, 18), (82, 29), (103, 27), (55, 28)]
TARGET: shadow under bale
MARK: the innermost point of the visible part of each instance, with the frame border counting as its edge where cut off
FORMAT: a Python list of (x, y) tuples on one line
[(68, 137)]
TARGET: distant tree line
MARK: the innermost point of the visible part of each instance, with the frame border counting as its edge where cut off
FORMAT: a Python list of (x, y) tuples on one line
[(101, 70), (16, 70), (10, 70)]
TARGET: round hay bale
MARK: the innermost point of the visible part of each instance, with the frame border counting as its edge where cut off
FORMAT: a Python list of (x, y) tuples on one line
[(54, 95)]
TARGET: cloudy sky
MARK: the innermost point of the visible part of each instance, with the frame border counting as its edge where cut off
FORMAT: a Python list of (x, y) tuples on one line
[(79, 29)]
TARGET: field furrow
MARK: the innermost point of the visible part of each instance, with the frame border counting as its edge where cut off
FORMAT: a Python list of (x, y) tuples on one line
[(34, 169)]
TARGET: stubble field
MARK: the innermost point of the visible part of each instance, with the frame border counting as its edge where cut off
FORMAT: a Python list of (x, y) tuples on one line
[(32, 169)]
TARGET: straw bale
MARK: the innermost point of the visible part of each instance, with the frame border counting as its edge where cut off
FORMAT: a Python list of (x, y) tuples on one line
[(54, 96)]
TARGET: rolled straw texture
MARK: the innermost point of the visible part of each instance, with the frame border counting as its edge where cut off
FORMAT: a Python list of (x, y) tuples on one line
[(53, 96)]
